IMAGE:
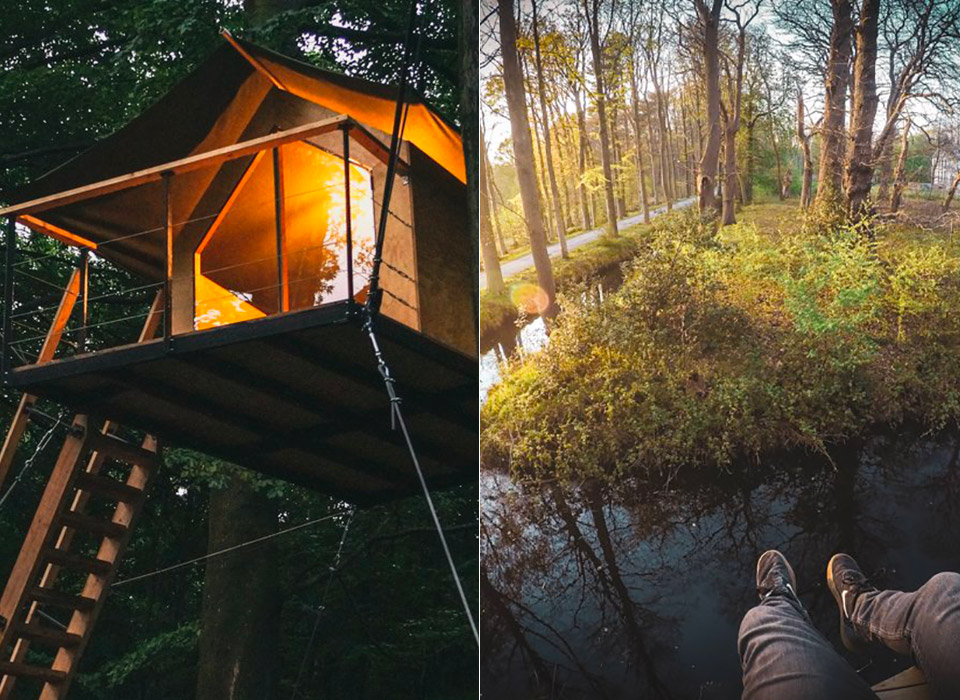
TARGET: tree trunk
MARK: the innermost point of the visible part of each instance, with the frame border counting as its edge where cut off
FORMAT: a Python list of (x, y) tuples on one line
[(582, 163), (782, 185), (807, 174), (470, 118), (900, 177), (951, 192), (240, 615), (748, 159), (686, 148), (644, 200), (539, 166), (592, 8), (523, 155), (858, 177), (664, 151), (491, 263), (658, 195), (559, 219), (884, 173), (728, 215), (492, 204), (621, 198), (832, 140), (710, 159)]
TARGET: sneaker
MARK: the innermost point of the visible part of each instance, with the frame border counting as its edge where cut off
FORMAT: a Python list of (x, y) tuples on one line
[(775, 575), (846, 581)]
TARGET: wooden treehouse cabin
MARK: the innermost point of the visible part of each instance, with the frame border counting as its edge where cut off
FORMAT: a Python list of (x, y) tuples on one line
[(205, 270)]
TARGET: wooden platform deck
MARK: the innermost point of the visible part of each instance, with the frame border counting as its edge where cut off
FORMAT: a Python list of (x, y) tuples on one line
[(295, 396), (906, 685)]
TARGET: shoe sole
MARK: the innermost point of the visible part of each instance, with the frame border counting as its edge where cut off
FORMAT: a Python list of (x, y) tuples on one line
[(848, 635)]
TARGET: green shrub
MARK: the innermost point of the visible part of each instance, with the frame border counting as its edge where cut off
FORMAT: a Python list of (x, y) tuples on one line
[(720, 347)]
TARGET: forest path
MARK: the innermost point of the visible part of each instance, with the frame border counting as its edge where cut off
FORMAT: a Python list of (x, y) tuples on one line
[(512, 267)]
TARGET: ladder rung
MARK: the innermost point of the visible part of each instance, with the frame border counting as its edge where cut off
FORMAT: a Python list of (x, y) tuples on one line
[(98, 526), (48, 635), (105, 486), (60, 599), (10, 668), (78, 562), (122, 450)]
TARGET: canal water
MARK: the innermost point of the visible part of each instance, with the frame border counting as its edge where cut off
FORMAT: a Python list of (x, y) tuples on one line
[(638, 591)]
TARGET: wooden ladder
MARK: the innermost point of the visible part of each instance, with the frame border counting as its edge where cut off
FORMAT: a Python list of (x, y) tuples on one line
[(65, 537), (51, 546)]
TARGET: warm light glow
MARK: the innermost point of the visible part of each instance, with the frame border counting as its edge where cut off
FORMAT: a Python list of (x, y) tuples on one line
[(60, 234), (216, 306), (236, 264), (529, 297)]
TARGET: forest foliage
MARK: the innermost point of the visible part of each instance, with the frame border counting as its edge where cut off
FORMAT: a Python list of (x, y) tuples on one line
[(724, 346)]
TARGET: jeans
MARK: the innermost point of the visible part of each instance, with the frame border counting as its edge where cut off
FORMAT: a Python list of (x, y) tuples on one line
[(784, 657)]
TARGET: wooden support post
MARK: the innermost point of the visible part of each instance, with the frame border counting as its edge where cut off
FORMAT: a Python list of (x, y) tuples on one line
[(11, 253), (168, 258), (283, 280), (347, 209), (22, 416), (84, 288)]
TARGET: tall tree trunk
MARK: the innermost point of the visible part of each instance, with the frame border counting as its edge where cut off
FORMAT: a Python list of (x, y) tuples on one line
[(592, 9), (884, 172), (900, 177), (710, 159), (686, 148), (748, 160), (858, 177), (728, 215), (559, 220), (240, 615), (564, 143), (731, 127), (583, 144), (489, 193), (491, 263), (832, 140), (783, 186), (807, 173), (951, 192), (621, 198), (470, 119), (664, 153), (523, 154), (641, 181), (539, 166), (655, 178)]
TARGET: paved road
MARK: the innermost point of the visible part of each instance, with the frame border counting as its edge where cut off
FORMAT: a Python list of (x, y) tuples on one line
[(512, 267)]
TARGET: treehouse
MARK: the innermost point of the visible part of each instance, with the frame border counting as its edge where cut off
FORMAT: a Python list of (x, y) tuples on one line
[(239, 214)]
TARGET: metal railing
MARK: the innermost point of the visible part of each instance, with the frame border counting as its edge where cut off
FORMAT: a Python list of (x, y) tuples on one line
[(111, 303)]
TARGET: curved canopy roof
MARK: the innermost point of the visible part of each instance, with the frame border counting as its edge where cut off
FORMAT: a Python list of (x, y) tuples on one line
[(215, 105)]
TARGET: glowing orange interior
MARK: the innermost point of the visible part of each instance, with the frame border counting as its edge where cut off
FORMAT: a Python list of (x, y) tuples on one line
[(238, 273)]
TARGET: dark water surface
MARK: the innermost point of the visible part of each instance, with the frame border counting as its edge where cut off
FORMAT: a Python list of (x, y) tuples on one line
[(638, 591), (635, 592)]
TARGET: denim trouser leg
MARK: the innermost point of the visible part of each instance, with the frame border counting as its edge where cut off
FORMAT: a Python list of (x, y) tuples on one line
[(924, 624), (784, 657)]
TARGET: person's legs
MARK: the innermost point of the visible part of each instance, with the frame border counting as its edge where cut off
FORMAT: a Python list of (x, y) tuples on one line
[(782, 654), (924, 624)]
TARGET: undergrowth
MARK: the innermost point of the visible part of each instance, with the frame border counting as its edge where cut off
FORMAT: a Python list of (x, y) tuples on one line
[(724, 346)]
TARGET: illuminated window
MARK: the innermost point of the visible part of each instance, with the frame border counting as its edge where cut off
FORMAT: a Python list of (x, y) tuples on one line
[(239, 274)]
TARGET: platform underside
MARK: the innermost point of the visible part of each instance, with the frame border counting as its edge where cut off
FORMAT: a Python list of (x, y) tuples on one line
[(296, 396)]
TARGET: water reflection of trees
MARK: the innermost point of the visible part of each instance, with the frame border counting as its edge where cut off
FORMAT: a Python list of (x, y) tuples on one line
[(633, 591)]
